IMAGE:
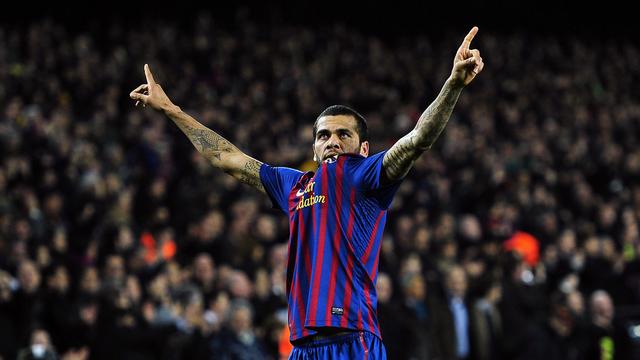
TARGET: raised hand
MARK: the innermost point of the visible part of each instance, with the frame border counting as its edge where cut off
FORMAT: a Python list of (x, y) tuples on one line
[(151, 93), (467, 63)]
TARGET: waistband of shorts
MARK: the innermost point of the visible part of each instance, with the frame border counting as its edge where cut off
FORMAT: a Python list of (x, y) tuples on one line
[(321, 339)]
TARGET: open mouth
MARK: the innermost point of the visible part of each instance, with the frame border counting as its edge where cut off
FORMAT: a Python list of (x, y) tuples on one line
[(331, 153)]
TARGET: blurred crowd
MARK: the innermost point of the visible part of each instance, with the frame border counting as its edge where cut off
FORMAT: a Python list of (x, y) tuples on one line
[(119, 241)]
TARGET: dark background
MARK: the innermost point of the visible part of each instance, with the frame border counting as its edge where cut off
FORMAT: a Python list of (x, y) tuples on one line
[(384, 18)]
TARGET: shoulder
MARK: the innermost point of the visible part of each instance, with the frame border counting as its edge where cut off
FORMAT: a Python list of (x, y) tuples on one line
[(356, 159), (280, 171)]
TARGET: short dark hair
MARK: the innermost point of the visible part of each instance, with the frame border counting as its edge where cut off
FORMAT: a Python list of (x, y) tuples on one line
[(333, 110)]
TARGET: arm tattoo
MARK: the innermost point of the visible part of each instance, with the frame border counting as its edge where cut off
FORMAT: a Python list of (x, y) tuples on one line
[(208, 142), (400, 158), (213, 147), (250, 174)]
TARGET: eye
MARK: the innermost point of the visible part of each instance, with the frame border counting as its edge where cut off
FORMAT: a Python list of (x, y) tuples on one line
[(344, 135), (322, 136)]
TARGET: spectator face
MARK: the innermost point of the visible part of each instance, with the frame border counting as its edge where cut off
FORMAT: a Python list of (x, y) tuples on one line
[(415, 288), (174, 274), (266, 228), (193, 311), (262, 283), (491, 249), (474, 268), (89, 313), (602, 309), (29, 277), (457, 282), (608, 249), (278, 257), (470, 228), (411, 265), (449, 250), (404, 225), (60, 241), (607, 215), (40, 342), (90, 282), (445, 229), (23, 230), (125, 239), (567, 242), (212, 225), (204, 270), (240, 286), (337, 134), (122, 300), (278, 280), (592, 246), (241, 319), (158, 188), (115, 268), (53, 205), (220, 305), (576, 303), (133, 289), (561, 319), (43, 258), (422, 239), (158, 288), (403, 231), (383, 288), (550, 254), (59, 281)]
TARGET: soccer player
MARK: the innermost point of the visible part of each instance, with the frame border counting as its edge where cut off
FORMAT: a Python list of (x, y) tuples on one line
[(336, 214)]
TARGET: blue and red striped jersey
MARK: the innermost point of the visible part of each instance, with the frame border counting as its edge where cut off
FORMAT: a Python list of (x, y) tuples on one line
[(336, 219)]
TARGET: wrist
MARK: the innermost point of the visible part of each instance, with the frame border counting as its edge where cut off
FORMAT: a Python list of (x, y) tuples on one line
[(171, 109), (456, 84)]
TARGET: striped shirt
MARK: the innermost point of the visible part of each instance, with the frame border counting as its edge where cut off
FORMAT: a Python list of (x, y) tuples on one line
[(336, 219)]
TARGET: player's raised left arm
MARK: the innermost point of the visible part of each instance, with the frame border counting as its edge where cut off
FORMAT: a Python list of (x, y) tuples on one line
[(402, 155)]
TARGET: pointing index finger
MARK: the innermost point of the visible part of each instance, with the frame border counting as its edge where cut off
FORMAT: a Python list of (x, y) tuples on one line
[(467, 39), (147, 73)]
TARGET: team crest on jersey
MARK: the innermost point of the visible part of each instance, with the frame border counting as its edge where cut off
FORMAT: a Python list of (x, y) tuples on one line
[(311, 199)]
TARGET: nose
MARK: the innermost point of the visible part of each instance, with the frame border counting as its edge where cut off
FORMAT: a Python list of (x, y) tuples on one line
[(333, 142)]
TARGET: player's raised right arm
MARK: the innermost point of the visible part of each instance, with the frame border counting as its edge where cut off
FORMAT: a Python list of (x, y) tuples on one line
[(218, 150)]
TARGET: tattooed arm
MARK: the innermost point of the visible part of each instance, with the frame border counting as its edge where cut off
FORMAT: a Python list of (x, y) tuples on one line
[(218, 150), (403, 154)]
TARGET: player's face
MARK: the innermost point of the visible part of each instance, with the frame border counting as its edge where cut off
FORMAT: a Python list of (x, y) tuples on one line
[(337, 134)]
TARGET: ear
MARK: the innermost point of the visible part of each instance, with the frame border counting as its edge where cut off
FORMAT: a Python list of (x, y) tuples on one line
[(364, 148)]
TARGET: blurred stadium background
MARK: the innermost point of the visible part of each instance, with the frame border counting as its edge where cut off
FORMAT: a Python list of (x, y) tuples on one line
[(118, 241)]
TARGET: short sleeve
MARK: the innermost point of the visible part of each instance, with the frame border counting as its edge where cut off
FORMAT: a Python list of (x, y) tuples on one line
[(367, 176), (278, 182)]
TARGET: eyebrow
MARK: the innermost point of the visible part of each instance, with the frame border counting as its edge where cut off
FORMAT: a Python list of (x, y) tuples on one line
[(340, 130)]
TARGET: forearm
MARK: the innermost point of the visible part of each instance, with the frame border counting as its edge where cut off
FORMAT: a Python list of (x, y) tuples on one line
[(218, 150), (434, 119), (209, 143), (400, 158)]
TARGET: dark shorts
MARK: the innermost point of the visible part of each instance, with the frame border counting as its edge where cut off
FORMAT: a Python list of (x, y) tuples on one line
[(352, 346)]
